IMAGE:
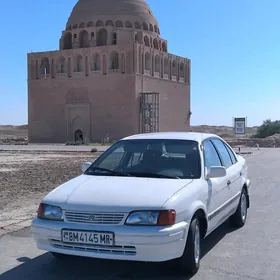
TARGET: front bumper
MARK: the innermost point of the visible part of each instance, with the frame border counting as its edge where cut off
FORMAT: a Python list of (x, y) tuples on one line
[(135, 243)]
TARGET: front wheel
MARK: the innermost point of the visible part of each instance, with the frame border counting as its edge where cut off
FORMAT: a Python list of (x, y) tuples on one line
[(190, 261), (240, 216)]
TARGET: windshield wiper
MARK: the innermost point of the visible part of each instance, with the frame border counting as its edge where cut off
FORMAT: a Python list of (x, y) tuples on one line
[(109, 171), (135, 174), (152, 175)]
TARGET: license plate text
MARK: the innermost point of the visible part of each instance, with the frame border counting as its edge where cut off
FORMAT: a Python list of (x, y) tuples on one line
[(91, 238)]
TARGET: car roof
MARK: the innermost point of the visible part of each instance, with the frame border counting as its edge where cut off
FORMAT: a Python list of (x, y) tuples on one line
[(194, 136)]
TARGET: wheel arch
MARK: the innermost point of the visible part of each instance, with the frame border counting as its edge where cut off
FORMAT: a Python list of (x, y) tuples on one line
[(246, 187), (202, 217)]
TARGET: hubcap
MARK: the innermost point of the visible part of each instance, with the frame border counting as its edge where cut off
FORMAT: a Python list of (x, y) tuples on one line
[(243, 207), (196, 244)]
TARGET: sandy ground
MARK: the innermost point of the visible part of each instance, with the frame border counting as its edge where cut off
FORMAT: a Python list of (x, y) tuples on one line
[(26, 176)]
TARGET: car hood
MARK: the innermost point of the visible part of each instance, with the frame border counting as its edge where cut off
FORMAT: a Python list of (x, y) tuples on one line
[(97, 193)]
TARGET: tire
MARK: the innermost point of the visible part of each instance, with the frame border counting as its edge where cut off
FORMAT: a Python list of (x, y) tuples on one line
[(189, 263), (239, 218)]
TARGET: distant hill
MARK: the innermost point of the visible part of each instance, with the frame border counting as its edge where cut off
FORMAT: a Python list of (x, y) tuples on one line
[(21, 130), (223, 131)]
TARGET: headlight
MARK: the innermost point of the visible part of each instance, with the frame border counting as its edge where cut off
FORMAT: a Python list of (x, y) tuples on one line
[(152, 218), (49, 212)]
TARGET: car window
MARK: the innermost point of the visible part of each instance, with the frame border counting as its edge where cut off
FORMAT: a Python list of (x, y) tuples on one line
[(223, 152), (232, 155), (171, 158), (113, 160), (135, 159), (211, 157)]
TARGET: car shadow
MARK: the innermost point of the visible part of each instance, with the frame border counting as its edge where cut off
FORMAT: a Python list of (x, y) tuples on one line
[(216, 236), (45, 267)]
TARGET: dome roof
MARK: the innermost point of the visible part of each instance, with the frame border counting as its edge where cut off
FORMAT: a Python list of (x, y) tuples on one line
[(93, 10)]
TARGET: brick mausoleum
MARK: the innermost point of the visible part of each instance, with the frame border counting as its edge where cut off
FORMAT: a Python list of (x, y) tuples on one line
[(112, 75)]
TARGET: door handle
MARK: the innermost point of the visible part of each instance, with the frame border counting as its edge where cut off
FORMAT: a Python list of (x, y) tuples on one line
[(228, 182)]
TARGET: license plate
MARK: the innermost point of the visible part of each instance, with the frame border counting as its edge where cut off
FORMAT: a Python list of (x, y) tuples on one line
[(88, 237)]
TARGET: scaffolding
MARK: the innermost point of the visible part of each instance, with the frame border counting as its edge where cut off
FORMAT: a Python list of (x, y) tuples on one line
[(149, 112)]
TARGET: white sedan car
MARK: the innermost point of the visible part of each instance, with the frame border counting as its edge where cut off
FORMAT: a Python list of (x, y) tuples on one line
[(149, 197)]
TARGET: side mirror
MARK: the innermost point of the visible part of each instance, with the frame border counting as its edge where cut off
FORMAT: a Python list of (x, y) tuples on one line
[(216, 172), (85, 166)]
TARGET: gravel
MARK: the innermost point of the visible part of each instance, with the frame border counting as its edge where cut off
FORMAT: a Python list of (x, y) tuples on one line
[(26, 174)]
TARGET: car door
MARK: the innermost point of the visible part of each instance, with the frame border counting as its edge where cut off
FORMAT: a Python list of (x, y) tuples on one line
[(218, 190), (233, 175), (236, 186)]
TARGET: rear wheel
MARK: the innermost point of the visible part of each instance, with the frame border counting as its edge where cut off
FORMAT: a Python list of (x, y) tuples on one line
[(190, 261), (240, 216)]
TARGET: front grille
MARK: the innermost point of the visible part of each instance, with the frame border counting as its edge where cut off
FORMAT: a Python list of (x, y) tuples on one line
[(94, 218), (115, 250)]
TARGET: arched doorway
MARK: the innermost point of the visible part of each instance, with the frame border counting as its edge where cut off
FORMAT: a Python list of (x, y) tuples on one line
[(79, 136), (67, 41), (102, 37)]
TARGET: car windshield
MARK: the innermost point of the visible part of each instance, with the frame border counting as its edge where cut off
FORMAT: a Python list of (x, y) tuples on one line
[(152, 158)]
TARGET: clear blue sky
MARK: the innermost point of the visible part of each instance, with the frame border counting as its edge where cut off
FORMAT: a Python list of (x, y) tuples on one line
[(234, 46)]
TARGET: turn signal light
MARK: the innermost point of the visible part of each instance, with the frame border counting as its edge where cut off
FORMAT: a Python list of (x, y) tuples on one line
[(166, 218), (40, 211)]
